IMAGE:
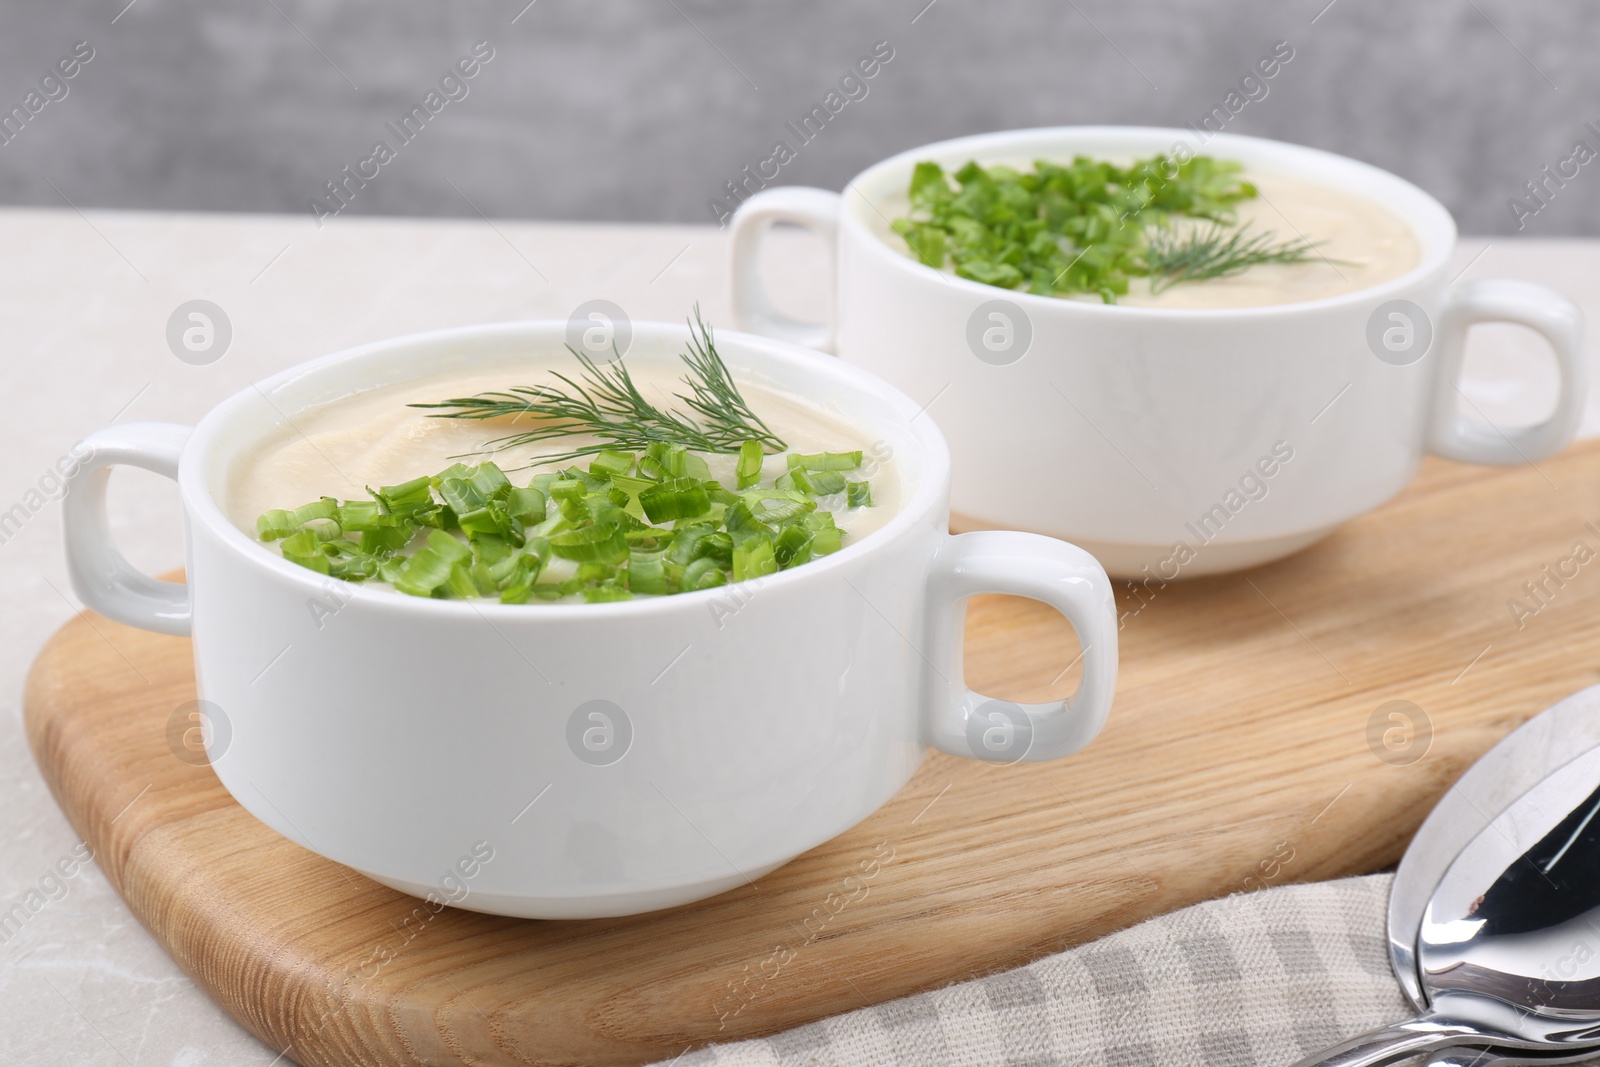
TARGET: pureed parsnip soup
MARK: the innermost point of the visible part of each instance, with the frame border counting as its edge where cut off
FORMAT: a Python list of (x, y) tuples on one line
[(481, 494), (1151, 233)]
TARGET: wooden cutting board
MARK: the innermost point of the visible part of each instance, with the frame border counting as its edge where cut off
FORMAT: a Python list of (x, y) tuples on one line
[(1243, 751)]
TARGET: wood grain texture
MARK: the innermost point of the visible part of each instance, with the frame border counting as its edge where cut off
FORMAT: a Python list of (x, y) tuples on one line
[(1240, 736)]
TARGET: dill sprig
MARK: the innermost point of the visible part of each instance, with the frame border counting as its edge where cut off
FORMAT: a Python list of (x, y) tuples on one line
[(713, 394), (609, 406), (1215, 252)]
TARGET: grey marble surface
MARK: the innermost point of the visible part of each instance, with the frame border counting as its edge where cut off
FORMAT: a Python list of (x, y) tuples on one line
[(642, 109), (84, 302)]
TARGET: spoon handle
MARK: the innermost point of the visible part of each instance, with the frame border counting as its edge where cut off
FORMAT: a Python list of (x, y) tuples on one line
[(1483, 1057), (1388, 1044), (1469, 1057)]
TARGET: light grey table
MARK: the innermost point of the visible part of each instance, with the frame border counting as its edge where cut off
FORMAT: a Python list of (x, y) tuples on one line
[(84, 304)]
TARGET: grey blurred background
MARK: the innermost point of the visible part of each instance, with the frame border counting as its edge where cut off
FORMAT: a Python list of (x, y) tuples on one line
[(640, 110)]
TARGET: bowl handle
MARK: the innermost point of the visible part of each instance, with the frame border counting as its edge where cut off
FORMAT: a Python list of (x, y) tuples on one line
[(816, 210), (965, 723), (1542, 310), (101, 576)]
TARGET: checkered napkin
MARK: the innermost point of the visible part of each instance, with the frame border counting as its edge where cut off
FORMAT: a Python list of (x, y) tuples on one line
[(1252, 980)]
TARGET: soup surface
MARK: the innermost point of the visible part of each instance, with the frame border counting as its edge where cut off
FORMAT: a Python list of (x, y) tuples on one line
[(1359, 244), (375, 439)]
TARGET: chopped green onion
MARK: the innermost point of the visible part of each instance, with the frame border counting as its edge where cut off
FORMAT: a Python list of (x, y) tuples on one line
[(606, 544), (1084, 227), (825, 542), (526, 505), (748, 470), (382, 539), (323, 529), (461, 495), (827, 482), (630, 484), (407, 497), (302, 543), (593, 483), (556, 523), (610, 463), (482, 580), (438, 517), (275, 524), (316, 561), (358, 516), (650, 524), (563, 490), (793, 547), (606, 592), (662, 460), (604, 511), (754, 557), (743, 525), (785, 511), (681, 498), (447, 547), (304, 548), (478, 521), (595, 570), (357, 568), (825, 461), (817, 482), (517, 586), (717, 546), (460, 583), (490, 548), (686, 540), (326, 508), (489, 480), (647, 572), (431, 567), (702, 574)]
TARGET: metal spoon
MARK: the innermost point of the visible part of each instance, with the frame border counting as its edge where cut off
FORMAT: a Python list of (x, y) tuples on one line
[(1507, 955), (1486, 1057), (1516, 764), (1521, 760)]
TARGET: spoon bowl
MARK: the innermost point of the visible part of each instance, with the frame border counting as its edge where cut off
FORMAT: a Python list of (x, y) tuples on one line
[(1508, 955), (1516, 918), (1521, 760), (1516, 764)]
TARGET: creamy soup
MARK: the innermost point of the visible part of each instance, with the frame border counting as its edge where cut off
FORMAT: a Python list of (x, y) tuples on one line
[(375, 439), (1359, 245)]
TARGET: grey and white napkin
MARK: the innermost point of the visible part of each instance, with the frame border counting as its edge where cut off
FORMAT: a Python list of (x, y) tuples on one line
[(1251, 980)]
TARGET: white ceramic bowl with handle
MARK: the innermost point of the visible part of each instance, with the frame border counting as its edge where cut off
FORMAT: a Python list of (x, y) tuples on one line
[(607, 758), (1168, 442)]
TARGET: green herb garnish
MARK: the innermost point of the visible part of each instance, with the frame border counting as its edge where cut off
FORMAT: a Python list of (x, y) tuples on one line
[(1213, 252), (607, 405), (627, 525), (646, 517), (1086, 227)]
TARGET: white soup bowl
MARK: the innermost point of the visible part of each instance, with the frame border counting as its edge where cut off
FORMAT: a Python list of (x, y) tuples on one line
[(1168, 442), (580, 760)]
